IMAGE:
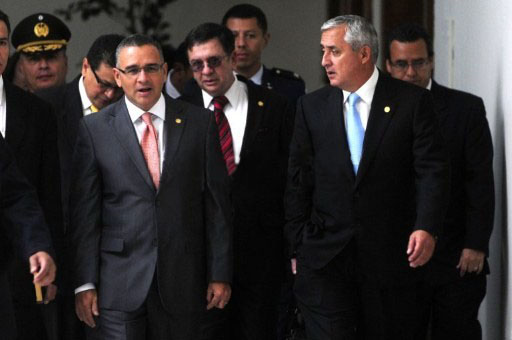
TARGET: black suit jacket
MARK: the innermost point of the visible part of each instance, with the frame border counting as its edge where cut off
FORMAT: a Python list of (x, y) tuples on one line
[(22, 224), (401, 185), (258, 184), (31, 133), (124, 230), (469, 220), (286, 83)]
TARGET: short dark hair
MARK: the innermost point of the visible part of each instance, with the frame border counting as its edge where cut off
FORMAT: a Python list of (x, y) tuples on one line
[(180, 55), (409, 32), (209, 31), (138, 40), (5, 18), (103, 50), (247, 11)]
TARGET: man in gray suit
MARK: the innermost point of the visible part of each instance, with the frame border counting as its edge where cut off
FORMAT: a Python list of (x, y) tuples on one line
[(149, 209)]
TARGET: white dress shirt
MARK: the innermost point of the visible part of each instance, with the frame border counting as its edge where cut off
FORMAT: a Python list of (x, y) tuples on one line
[(235, 111), (3, 107), (170, 89), (86, 102), (364, 105), (158, 117)]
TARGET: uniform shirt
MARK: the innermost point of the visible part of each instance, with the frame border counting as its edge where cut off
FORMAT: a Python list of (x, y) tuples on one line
[(364, 105), (235, 111)]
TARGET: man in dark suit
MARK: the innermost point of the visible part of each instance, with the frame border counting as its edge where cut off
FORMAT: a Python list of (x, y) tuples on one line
[(259, 124), (368, 177), (29, 128), (22, 224), (91, 91), (249, 25), (150, 216), (457, 280)]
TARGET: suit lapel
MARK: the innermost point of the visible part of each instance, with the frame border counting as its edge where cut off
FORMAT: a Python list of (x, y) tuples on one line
[(255, 111), (15, 126), (173, 125), (439, 102), (335, 119), (73, 111), (123, 128), (381, 113)]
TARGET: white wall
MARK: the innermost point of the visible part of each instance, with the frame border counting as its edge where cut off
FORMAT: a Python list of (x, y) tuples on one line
[(474, 54), (294, 26)]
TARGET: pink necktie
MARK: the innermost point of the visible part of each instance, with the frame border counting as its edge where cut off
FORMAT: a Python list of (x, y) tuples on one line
[(149, 144), (226, 140)]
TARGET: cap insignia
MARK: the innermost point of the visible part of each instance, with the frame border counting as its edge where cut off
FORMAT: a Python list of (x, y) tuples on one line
[(41, 29)]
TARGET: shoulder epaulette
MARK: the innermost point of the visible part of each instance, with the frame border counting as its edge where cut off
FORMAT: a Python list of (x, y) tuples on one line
[(279, 72)]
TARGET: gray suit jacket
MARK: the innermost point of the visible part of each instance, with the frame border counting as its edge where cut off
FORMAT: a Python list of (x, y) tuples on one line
[(123, 229)]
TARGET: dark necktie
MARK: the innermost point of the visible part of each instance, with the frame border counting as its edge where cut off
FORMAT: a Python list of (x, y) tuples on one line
[(226, 140)]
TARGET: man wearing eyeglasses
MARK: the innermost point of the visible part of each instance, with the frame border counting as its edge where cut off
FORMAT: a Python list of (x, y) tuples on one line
[(255, 128), (457, 280), (150, 217), (89, 92)]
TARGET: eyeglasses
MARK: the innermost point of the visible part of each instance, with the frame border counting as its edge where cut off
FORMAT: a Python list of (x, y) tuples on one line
[(213, 62), (105, 86), (133, 71), (416, 64)]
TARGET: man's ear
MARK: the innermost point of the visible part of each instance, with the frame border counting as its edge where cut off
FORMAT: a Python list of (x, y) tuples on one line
[(85, 66), (366, 54), (388, 65)]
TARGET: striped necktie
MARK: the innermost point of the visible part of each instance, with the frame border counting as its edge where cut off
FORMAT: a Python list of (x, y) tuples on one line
[(226, 140), (149, 145)]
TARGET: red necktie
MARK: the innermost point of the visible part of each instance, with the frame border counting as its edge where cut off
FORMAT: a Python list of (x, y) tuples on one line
[(149, 144), (226, 140)]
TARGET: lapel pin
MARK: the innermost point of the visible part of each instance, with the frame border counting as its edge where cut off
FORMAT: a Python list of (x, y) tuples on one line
[(387, 109), (260, 103), (178, 121)]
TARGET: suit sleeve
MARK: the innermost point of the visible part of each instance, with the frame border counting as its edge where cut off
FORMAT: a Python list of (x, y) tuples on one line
[(23, 219), (299, 188), (432, 168), (479, 180), (85, 209), (218, 213)]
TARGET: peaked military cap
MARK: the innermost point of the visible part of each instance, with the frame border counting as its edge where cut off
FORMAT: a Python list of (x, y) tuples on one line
[(40, 32)]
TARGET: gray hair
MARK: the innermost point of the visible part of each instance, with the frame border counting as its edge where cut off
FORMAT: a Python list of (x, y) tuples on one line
[(359, 32)]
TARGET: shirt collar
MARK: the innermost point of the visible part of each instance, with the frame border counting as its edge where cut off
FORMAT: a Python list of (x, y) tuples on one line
[(169, 86), (86, 102), (232, 94), (2, 99), (136, 112), (366, 91), (429, 85), (257, 77)]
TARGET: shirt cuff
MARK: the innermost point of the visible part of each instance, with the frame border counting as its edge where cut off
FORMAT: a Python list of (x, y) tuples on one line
[(83, 288)]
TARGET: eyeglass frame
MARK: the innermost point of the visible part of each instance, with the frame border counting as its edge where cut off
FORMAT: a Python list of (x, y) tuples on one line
[(147, 69), (213, 62), (105, 86), (416, 64)]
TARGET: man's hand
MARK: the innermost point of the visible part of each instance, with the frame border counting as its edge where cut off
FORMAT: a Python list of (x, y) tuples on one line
[(218, 294), (86, 306), (471, 261), (421, 247), (43, 268), (294, 265), (51, 292)]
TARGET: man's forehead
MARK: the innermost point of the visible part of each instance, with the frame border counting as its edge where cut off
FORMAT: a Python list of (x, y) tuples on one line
[(409, 48), (207, 48)]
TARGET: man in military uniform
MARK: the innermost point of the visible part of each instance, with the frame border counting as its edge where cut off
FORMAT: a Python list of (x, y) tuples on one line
[(249, 25), (41, 40)]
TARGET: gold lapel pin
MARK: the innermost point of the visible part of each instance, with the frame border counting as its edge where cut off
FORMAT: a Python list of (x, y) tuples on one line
[(387, 109), (260, 103), (178, 121)]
